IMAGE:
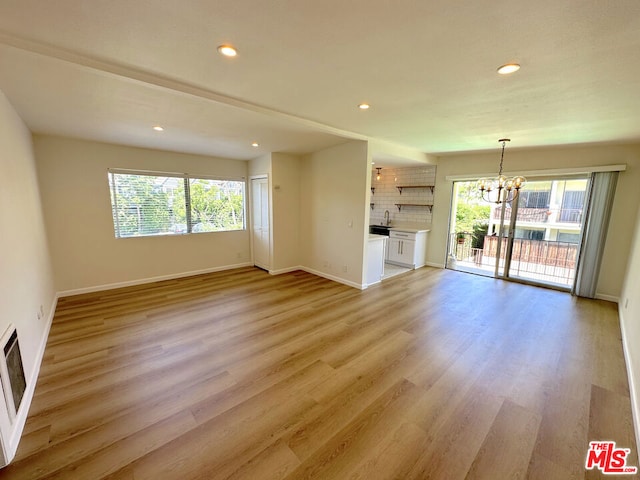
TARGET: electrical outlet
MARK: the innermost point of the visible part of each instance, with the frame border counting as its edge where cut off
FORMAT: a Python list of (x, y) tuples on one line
[(325, 264), (345, 268)]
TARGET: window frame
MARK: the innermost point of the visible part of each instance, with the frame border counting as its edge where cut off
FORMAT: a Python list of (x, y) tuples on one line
[(187, 178)]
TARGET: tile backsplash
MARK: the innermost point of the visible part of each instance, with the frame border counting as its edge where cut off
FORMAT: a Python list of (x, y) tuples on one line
[(386, 195)]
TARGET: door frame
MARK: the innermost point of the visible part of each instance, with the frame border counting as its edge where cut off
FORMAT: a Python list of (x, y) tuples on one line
[(515, 205), (502, 272), (251, 232)]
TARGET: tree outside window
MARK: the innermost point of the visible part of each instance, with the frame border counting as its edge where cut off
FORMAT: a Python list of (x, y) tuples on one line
[(146, 204)]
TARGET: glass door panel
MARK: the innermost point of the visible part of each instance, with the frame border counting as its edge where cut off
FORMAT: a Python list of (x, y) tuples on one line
[(545, 230), (468, 250), (499, 239), (535, 239)]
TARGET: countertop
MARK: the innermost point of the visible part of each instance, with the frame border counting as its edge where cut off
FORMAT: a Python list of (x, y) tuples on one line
[(373, 236), (409, 229), (406, 227)]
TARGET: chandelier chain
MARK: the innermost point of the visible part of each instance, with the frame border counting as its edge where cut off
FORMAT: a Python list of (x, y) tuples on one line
[(504, 190)]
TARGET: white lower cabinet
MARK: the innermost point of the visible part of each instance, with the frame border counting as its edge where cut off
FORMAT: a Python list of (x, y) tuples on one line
[(375, 258), (407, 249)]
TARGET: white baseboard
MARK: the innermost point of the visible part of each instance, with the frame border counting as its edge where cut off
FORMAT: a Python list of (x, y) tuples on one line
[(23, 411), (285, 270), (434, 264), (634, 394), (142, 281), (367, 285), (319, 274), (334, 278), (608, 298)]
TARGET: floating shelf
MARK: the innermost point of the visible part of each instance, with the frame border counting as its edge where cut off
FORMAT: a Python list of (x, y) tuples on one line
[(428, 205), (400, 187)]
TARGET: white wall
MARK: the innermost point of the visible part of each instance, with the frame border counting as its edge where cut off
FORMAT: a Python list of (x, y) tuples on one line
[(260, 165), (629, 309), (334, 194), (625, 208), (285, 223), (77, 207), (26, 279), (391, 154)]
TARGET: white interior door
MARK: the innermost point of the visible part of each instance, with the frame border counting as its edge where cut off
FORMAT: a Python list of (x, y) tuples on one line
[(260, 222)]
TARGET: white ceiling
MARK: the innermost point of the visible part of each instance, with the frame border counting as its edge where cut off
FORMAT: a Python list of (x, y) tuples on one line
[(110, 70)]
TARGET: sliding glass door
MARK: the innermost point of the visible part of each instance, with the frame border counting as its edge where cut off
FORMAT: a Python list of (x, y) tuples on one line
[(535, 239), (469, 250), (547, 223)]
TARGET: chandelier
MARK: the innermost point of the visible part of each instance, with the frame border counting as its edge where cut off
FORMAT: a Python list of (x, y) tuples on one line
[(501, 189)]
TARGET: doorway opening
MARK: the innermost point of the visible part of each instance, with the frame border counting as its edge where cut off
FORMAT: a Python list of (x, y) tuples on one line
[(260, 226), (535, 239)]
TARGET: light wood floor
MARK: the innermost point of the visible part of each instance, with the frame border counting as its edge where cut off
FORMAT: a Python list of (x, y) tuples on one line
[(242, 375)]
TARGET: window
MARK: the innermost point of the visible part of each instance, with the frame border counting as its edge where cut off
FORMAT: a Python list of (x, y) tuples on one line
[(529, 234), (572, 203), (146, 204), (534, 199), (568, 237)]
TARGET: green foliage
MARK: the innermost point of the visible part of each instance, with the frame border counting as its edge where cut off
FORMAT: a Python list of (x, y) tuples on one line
[(143, 207), (471, 219), (468, 216), (467, 192), (214, 208), (478, 234), (153, 205)]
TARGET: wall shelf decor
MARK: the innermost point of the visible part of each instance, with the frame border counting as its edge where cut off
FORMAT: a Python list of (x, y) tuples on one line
[(401, 187), (428, 205)]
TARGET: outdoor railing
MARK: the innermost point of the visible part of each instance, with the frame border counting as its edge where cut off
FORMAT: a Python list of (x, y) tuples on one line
[(544, 260), (524, 214), (465, 248), (543, 252), (570, 215), (540, 215)]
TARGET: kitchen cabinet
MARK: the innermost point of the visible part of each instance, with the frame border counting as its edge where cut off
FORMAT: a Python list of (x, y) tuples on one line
[(407, 248), (375, 258), (401, 251)]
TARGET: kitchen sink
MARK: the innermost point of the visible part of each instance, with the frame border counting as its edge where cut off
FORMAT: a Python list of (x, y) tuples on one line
[(379, 229)]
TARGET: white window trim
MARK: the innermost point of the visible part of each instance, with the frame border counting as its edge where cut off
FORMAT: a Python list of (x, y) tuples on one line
[(542, 173), (187, 176)]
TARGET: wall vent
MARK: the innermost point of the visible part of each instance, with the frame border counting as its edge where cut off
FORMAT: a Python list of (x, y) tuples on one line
[(12, 372)]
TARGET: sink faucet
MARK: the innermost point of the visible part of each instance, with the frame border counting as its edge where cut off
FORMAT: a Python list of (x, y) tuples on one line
[(387, 220)]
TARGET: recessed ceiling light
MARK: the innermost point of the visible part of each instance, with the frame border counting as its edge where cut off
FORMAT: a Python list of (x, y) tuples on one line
[(227, 50), (158, 128), (364, 106), (255, 144), (508, 68)]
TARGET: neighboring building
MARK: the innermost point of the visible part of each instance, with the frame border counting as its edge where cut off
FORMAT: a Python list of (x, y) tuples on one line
[(547, 210)]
